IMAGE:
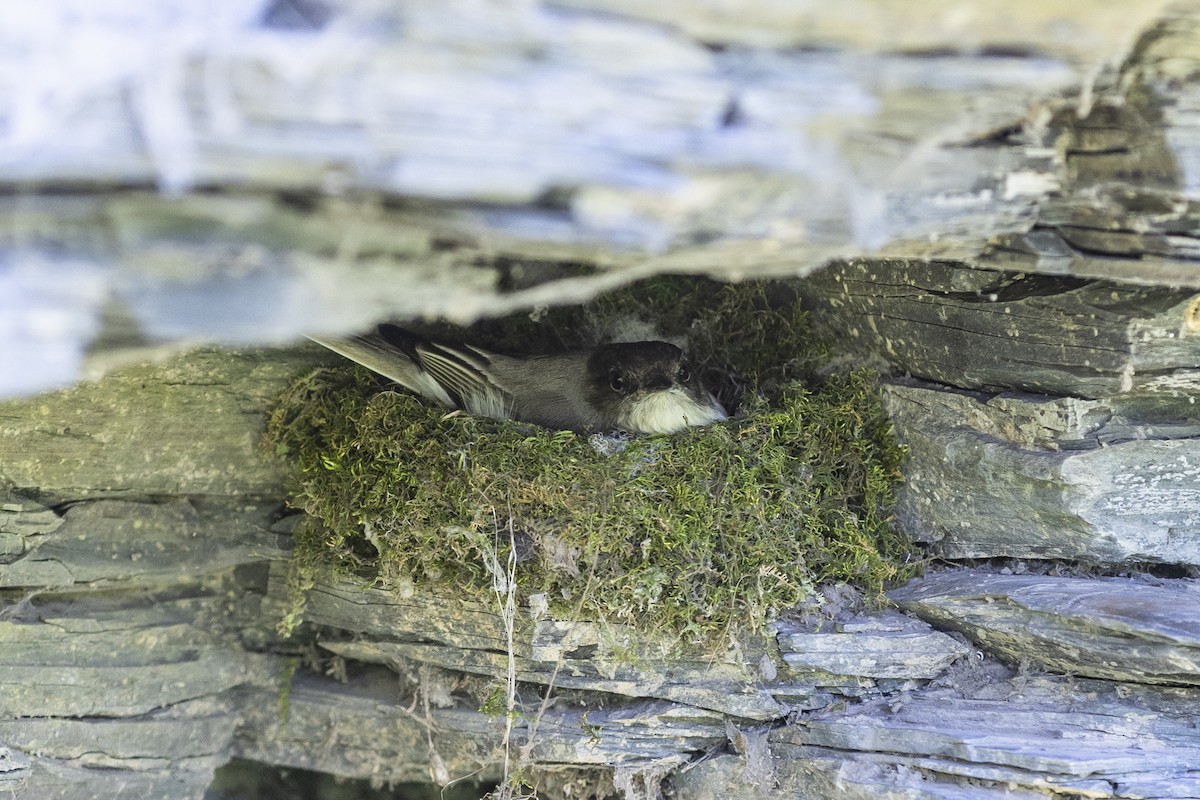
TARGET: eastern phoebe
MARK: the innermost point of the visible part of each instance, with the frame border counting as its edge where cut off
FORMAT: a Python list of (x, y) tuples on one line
[(640, 387)]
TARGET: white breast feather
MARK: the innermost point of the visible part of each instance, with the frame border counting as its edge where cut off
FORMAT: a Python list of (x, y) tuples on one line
[(667, 411)]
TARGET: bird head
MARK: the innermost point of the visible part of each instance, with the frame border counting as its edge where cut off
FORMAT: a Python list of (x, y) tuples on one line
[(649, 387)]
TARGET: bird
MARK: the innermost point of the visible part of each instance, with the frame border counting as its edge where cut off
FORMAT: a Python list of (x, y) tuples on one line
[(637, 387)]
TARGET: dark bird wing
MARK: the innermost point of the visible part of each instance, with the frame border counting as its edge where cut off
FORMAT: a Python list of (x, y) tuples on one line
[(453, 375)]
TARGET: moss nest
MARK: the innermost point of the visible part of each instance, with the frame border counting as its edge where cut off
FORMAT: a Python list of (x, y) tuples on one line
[(700, 534)]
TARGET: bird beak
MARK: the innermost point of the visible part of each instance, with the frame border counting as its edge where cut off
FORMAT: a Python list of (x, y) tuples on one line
[(658, 383)]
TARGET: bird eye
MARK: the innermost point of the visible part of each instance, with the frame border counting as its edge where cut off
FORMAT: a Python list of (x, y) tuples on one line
[(684, 373), (617, 382)]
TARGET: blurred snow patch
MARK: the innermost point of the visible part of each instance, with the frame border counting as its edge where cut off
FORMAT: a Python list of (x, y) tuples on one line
[(45, 325), (57, 58)]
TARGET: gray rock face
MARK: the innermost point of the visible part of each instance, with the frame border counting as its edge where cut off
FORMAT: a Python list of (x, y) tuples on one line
[(972, 328), (151, 613), (1111, 628), (1009, 215), (1009, 736), (852, 659), (230, 177), (1035, 477)]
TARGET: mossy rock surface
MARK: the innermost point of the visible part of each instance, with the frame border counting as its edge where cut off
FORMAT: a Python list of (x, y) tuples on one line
[(699, 534)]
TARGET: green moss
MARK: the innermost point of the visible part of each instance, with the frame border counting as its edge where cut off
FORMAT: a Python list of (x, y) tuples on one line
[(287, 671), (697, 533)]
